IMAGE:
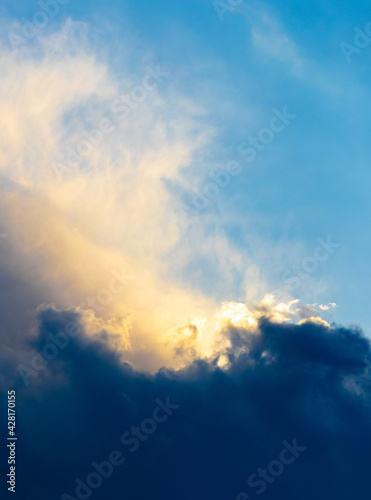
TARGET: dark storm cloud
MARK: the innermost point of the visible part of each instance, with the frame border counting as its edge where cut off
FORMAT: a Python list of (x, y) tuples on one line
[(202, 433)]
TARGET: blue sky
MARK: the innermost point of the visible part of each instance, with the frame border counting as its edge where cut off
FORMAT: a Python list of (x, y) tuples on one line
[(313, 180)]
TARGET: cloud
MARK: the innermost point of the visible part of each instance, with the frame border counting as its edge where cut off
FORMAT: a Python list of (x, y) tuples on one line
[(327, 307), (270, 38), (83, 167), (86, 165), (273, 41), (283, 382)]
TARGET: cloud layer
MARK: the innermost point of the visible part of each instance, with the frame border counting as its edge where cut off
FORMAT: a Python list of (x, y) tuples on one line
[(89, 166), (303, 388), (84, 162)]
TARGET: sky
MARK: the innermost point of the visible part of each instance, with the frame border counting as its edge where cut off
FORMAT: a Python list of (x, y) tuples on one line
[(184, 213)]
